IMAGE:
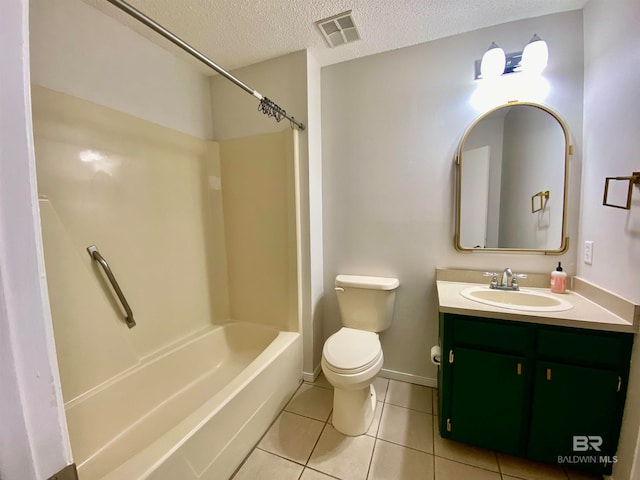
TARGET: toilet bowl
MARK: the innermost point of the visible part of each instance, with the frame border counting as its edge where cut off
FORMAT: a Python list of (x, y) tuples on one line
[(352, 357)]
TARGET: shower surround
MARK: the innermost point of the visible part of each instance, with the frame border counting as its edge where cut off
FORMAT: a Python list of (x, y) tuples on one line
[(201, 237)]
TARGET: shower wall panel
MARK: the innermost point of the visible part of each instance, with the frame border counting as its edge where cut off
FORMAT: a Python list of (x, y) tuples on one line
[(258, 190), (149, 198)]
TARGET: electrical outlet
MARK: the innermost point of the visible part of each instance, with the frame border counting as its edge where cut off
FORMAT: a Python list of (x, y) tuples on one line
[(588, 252)]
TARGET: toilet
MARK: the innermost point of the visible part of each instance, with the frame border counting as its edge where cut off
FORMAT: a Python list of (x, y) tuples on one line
[(352, 357)]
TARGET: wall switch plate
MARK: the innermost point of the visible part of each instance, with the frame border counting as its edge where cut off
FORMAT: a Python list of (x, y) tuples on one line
[(588, 252)]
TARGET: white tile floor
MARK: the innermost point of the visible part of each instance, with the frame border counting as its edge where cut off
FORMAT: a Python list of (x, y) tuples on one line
[(403, 443)]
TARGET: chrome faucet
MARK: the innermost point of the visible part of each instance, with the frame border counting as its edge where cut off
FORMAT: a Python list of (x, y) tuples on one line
[(506, 275), (505, 283)]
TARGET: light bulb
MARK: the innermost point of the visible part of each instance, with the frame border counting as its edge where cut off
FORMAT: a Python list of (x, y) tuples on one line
[(493, 62), (535, 55)]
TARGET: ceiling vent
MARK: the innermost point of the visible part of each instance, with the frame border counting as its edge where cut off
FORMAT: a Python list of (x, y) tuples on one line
[(339, 29)]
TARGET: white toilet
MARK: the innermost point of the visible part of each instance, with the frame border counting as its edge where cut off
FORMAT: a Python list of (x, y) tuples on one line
[(352, 357)]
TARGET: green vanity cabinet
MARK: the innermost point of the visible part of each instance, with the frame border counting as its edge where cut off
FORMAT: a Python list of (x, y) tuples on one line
[(528, 389), (571, 400), (496, 384)]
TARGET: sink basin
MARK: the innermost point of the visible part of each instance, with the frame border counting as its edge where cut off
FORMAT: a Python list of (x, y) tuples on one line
[(524, 300)]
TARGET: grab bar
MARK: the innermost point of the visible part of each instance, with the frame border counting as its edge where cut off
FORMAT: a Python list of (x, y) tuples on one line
[(95, 254)]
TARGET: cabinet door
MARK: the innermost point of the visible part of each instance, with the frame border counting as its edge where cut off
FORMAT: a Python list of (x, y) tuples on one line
[(488, 400), (570, 401)]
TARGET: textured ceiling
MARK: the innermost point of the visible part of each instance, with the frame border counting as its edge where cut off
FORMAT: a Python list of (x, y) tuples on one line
[(236, 33)]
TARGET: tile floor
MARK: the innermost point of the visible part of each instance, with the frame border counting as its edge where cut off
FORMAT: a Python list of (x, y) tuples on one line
[(402, 443)]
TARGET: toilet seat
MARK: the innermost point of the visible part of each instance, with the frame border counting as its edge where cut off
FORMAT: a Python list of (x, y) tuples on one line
[(350, 351)]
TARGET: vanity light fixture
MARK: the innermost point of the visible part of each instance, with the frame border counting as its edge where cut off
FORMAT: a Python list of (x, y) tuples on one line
[(535, 55), (533, 59), (493, 62)]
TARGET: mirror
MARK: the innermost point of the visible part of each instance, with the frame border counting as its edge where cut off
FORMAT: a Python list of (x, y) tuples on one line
[(512, 181)]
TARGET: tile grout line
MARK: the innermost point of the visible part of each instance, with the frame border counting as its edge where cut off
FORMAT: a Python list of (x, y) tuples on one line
[(318, 386), (409, 408), (373, 452), (407, 447), (323, 473), (421, 412), (377, 439), (315, 445), (431, 389), (468, 464), (304, 416), (380, 422), (279, 456), (386, 391), (434, 455), (434, 464), (255, 446), (436, 431), (384, 403), (495, 454), (284, 409), (433, 436)]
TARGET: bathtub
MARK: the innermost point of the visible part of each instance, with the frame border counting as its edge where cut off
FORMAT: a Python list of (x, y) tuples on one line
[(193, 411)]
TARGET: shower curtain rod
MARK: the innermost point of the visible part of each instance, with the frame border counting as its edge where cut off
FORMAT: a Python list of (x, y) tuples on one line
[(266, 106)]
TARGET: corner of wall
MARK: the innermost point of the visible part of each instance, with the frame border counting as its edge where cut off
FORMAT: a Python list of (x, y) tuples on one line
[(33, 421), (316, 327)]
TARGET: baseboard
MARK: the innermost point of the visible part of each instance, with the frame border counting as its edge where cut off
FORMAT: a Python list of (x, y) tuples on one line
[(408, 377), (311, 377)]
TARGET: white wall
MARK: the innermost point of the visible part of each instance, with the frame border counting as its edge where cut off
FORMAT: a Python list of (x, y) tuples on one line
[(33, 438), (78, 50), (611, 125), (391, 124)]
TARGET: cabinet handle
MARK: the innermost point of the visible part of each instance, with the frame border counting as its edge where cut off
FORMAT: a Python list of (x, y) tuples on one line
[(519, 369), (448, 424), (619, 384), (548, 374), (450, 356)]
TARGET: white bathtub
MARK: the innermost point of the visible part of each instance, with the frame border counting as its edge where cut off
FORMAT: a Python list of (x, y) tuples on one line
[(192, 412)]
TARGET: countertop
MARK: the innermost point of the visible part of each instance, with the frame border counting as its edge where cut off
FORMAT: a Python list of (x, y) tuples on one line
[(584, 314)]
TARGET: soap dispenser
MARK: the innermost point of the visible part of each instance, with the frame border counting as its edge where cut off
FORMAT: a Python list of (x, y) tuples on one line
[(558, 280)]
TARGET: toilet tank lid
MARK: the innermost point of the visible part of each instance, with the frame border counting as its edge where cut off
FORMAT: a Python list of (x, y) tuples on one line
[(360, 281)]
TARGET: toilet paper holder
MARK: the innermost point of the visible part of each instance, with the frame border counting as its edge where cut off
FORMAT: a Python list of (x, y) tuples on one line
[(436, 355)]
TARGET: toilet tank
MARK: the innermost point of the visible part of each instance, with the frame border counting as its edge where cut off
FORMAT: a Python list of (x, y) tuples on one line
[(366, 303)]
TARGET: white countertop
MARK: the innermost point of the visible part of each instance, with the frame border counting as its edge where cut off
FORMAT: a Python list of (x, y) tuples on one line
[(584, 314)]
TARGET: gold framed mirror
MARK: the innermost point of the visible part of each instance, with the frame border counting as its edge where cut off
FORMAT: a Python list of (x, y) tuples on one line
[(512, 181)]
